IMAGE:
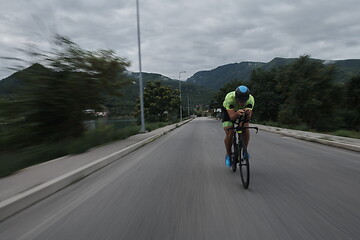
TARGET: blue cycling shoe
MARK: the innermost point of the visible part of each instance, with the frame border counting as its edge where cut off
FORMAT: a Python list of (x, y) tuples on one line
[(246, 155), (228, 160)]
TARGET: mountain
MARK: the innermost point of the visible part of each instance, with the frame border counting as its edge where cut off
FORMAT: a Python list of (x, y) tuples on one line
[(10, 85), (200, 88), (125, 104), (199, 94), (195, 94), (346, 69), (216, 78), (278, 62)]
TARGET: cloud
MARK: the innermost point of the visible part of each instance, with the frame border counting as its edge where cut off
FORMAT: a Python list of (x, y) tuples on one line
[(188, 35)]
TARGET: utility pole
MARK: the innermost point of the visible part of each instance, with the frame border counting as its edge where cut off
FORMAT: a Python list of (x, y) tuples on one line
[(188, 105), (140, 72), (180, 95)]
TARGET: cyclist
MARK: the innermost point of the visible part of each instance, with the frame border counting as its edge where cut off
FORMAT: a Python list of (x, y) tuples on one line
[(236, 104)]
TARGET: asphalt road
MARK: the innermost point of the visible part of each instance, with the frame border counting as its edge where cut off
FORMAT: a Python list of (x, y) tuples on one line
[(178, 187)]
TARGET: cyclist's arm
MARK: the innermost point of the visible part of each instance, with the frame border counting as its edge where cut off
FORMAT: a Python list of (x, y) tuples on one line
[(248, 109), (250, 104), (235, 114)]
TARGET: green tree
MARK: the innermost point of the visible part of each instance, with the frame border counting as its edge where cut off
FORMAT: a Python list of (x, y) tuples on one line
[(308, 91), (352, 103), (263, 88), (160, 102), (228, 87), (51, 104)]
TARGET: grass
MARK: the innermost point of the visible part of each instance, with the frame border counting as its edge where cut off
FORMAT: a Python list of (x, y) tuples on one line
[(346, 133), (14, 161), (302, 127), (341, 133), (152, 126)]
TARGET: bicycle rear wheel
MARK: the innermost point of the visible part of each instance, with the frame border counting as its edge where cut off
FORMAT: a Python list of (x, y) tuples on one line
[(244, 168)]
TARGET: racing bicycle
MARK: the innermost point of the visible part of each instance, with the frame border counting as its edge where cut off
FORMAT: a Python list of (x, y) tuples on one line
[(239, 152)]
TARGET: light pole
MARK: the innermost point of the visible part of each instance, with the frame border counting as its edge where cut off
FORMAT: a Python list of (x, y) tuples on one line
[(188, 95), (180, 94), (140, 72)]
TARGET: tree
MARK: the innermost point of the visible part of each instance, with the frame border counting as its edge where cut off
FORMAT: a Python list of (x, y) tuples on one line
[(352, 104), (228, 87), (160, 102), (308, 91), (263, 88), (52, 102)]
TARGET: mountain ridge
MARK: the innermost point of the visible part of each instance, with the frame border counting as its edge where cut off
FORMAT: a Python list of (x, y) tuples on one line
[(215, 78), (203, 84), (192, 94)]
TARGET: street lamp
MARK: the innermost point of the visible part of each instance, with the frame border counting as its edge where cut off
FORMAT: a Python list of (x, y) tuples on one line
[(180, 95), (188, 98), (140, 72)]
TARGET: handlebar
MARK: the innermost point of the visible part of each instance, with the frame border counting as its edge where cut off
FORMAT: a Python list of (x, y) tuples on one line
[(238, 128)]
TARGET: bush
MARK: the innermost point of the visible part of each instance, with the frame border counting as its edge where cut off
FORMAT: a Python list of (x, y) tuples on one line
[(347, 133), (12, 161)]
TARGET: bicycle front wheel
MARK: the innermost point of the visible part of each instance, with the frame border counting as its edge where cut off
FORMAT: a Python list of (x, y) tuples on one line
[(234, 157), (244, 168)]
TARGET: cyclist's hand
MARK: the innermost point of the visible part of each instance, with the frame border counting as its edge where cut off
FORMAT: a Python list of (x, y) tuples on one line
[(248, 111), (240, 112)]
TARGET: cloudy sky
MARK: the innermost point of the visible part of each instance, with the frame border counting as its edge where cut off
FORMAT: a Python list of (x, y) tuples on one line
[(187, 35)]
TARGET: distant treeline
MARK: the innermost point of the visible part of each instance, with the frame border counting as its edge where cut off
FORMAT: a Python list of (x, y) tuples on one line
[(304, 94)]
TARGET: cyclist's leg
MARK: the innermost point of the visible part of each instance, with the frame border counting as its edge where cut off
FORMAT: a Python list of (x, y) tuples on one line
[(229, 133)]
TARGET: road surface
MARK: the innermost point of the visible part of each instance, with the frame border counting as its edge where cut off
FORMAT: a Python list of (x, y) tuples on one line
[(177, 187)]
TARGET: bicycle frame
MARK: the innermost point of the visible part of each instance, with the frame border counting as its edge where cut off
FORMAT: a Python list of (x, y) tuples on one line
[(239, 129), (238, 152), (238, 135)]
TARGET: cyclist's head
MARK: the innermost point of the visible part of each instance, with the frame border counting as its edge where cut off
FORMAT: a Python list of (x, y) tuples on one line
[(242, 94)]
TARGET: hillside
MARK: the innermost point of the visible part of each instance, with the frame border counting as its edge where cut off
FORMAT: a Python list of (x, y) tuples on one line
[(216, 78), (347, 69), (198, 95), (125, 104), (200, 88), (10, 85)]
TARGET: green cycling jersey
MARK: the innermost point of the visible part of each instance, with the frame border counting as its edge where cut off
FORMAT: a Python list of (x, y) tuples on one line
[(231, 103)]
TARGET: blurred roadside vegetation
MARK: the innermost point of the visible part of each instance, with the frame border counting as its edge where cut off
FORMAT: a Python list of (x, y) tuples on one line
[(45, 118), (12, 161), (51, 102), (304, 96)]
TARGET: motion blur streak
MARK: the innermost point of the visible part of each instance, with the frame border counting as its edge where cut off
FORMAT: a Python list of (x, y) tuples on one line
[(178, 187)]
